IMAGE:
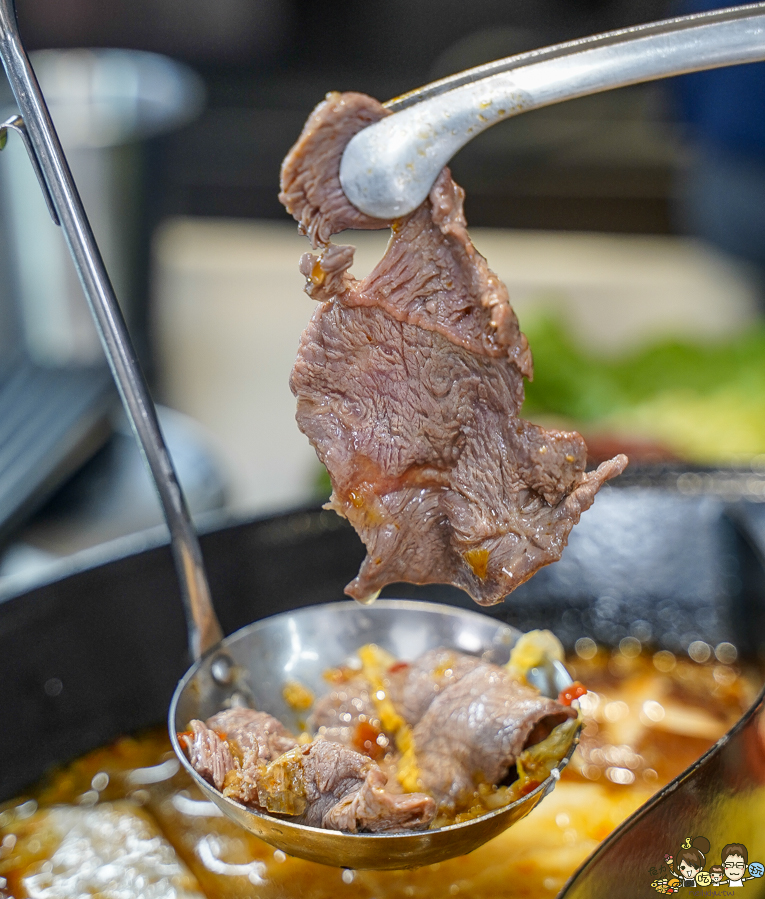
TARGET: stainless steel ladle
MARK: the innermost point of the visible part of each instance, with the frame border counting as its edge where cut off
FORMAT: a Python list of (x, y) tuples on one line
[(300, 646), (225, 670), (36, 128)]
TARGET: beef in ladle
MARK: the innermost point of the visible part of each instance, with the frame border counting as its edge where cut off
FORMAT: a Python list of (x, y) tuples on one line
[(320, 784)]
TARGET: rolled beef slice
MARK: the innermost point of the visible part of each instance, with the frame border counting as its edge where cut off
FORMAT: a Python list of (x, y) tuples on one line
[(413, 688), (474, 730), (346, 791), (208, 752), (409, 385)]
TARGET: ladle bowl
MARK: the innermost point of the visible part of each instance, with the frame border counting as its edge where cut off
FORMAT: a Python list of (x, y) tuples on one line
[(260, 659)]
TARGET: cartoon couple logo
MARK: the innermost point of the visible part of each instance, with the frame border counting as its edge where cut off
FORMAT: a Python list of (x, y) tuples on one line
[(686, 869)]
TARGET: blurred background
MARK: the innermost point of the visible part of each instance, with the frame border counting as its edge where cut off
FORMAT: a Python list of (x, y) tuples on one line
[(629, 228)]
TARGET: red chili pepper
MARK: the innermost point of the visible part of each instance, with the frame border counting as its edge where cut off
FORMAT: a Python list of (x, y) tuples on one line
[(398, 666), (365, 740), (529, 788), (572, 692)]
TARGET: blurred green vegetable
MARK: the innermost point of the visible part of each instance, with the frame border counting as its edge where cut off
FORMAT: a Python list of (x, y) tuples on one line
[(322, 485), (707, 402)]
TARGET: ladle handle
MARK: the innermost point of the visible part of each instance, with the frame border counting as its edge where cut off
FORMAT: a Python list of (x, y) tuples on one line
[(204, 629), (388, 168)]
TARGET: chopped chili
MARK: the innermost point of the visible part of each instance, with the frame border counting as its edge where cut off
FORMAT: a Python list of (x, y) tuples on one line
[(365, 740), (572, 692), (398, 666), (529, 787)]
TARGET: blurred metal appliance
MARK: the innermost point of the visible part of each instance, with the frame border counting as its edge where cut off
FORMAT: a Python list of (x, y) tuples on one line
[(104, 104)]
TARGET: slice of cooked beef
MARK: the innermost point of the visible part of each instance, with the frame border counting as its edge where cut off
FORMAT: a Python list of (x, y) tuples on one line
[(208, 752), (409, 384), (254, 731), (413, 687), (321, 784), (344, 705), (474, 730), (345, 790), (379, 810), (256, 739)]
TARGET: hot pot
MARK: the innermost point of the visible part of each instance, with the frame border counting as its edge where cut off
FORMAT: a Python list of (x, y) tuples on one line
[(671, 557)]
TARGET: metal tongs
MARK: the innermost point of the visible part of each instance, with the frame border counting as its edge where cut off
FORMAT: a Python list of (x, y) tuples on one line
[(388, 168), (386, 172)]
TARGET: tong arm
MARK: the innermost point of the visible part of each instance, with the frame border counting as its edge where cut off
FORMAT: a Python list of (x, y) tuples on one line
[(387, 169)]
